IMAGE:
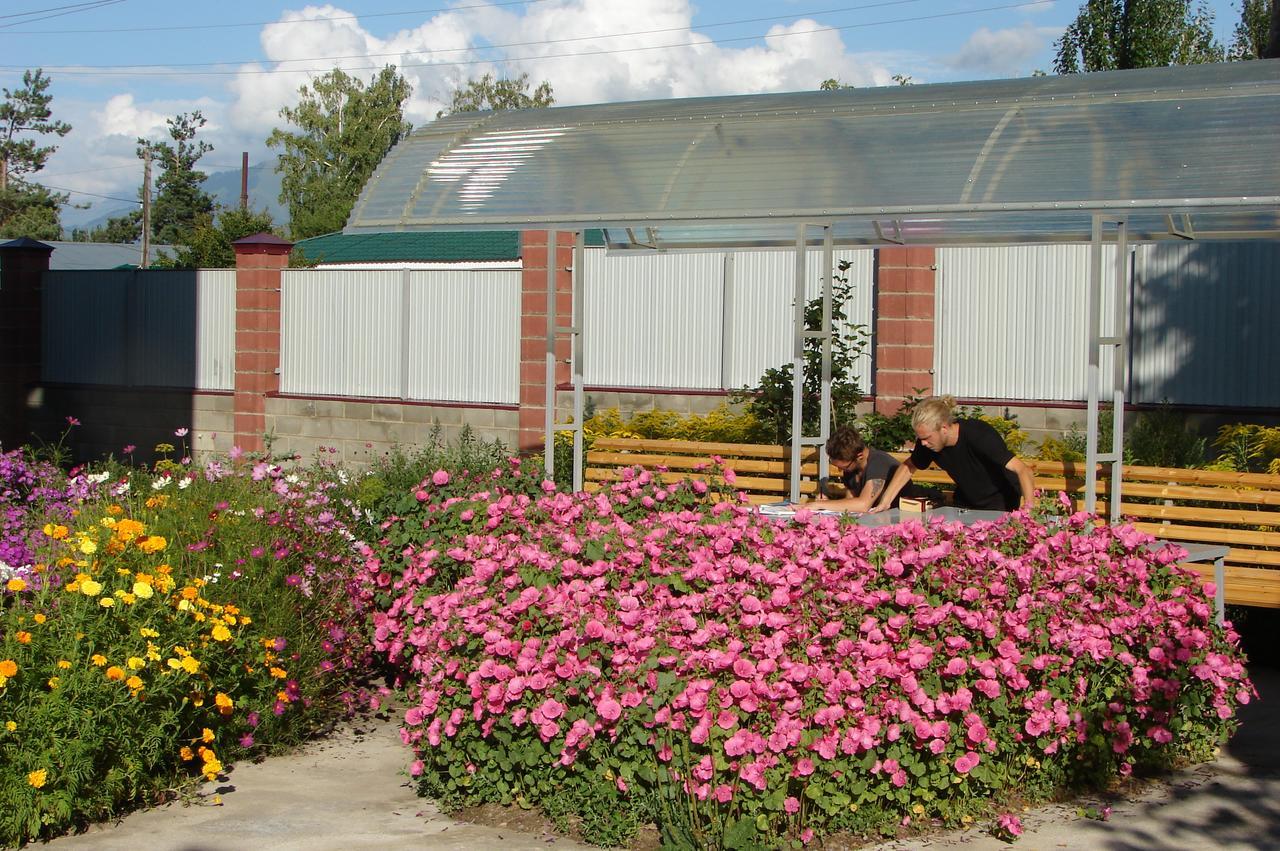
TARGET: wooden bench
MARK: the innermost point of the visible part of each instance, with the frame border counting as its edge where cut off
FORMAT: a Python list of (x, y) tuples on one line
[(1238, 510)]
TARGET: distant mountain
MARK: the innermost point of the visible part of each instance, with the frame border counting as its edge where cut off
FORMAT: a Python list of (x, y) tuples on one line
[(224, 186)]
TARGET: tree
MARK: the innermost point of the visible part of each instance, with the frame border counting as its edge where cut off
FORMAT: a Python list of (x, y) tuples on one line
[(344, 129), (831, 84), (1252, 30), (117, 229), (180, 198), (502, 94), (1116, 34), (208, 244), (28, 209)]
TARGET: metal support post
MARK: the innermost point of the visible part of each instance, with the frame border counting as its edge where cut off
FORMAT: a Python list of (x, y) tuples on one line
[(579, 287), (549, 454), (828, 339), (797, 365), (1120, 336), (1094, 352)]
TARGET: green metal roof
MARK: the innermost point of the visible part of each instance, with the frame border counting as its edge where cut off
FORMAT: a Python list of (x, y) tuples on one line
[(429, 247)]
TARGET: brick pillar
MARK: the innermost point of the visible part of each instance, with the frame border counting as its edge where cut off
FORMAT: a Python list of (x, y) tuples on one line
[(259, 259), (905, 304), (23, 262), (533, 329)]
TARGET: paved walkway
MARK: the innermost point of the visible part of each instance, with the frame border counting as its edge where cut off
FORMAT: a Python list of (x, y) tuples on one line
[(350, 791)]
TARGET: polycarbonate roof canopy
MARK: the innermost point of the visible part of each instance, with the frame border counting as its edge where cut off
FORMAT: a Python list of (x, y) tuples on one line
[(1187, 152)]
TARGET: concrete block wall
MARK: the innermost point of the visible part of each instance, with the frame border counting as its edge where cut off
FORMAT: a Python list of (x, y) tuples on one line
[(358, 432)]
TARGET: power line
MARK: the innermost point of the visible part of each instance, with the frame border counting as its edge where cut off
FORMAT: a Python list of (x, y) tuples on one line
[(120, 70), (88, 7), (519, 43), (51, 9), (279, 23), (93, 194)]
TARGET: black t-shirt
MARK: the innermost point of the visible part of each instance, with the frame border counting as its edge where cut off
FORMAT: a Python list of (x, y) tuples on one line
[(880, 465), (977, 465)]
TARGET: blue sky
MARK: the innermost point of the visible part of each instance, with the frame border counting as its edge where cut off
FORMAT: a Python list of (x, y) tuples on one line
[(120, 67)]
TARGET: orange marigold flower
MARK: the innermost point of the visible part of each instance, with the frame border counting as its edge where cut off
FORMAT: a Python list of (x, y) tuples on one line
[(8, 668), (152, 544), (15, 585), (223, 700), (128, 529), (206, 736), (23, 637), (115, 672), (279, 673), (190, 593), (220, 632), (134, 682), (98, 659), (115, 510), (39, 617), (186, 753)]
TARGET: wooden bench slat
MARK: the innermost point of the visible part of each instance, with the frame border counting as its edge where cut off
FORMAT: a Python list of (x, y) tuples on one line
[(1211, 534)]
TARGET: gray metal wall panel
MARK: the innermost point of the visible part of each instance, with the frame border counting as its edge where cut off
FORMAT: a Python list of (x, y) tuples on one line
[(85, 332), (340, 333), (1204, 325), (653, 320), (1012, 321), (762, 283), (164, 332), (216, 329), (464, 336)]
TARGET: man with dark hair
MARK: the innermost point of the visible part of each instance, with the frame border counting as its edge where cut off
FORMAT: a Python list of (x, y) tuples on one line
[(864, 470)]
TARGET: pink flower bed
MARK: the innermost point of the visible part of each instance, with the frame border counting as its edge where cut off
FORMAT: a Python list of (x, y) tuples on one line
[(784, 680)]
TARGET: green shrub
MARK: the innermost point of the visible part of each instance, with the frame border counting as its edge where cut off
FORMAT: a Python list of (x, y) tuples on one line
[(1160, 438), (1248, 448)]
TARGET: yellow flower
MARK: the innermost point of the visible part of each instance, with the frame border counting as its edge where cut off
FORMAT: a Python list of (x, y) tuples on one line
[(186, 753), (152, 544), (106, 602), (230, 619), (87, 546), (57, 532), (279, 673), (128, 529), (206, 736), (54, 682), (148, 632), (11, 726), (37, 778), (107, 522), (190, 665), (115, 672), (211, 769), (152, 652), (90, 587), (142, 590), (136, 662), (223, 700), (220, 632), (15, 584), (39, 617), (134, 682), (98, 659), (8, 668), (64, 664), (3, 681)]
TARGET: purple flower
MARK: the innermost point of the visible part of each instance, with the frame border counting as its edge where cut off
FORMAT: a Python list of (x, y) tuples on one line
[(254, 719), (279, 644), (246, 741), (130, 449)]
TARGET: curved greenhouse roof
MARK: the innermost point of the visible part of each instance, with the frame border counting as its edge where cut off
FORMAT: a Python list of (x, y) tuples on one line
[(1184, 152)]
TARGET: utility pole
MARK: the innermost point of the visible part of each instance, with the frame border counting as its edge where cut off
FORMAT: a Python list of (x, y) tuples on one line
[(244, 181), (146, 207)]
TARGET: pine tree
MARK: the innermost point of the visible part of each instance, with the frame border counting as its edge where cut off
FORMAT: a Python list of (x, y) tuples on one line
[(180, 200), (26, 208)]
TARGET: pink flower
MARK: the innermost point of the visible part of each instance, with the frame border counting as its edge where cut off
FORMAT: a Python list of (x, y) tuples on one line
[(967, 763), (1010, 824), (609, 709), (182, 432), (791, 805), (440, 478)]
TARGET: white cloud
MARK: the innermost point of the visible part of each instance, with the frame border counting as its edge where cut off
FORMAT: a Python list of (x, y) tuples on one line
[(1004, 52), (587, 51)]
